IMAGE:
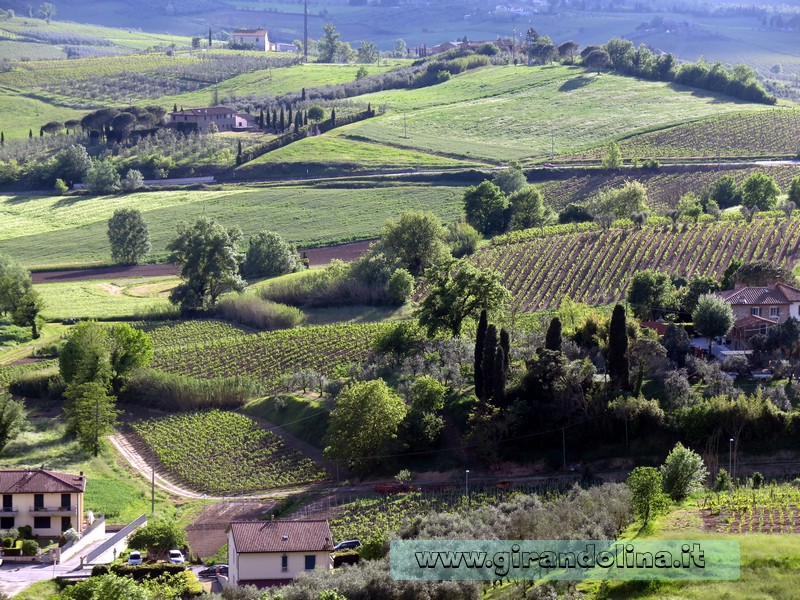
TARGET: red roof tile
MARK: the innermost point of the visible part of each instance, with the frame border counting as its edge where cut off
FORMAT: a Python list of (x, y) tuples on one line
[(281, 536), (778, 294), (199, 112), (40, 481)]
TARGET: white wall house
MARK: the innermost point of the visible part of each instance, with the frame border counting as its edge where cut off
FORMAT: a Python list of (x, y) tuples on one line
[(258, 37), (48, 501), (226, 119), (271, 553)]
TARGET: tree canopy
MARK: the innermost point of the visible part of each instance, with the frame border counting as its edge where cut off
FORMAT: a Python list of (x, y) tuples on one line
[(128, 235), (15, 282), (760, 191), (528, 209), (269, 255), (625, 200), (712, 317), (415, 239), (486, 207), (650, 293), (209, 263), (90, 413), (158, 537)]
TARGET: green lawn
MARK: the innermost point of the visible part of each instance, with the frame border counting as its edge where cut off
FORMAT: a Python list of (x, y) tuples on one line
[(98, 299), (47, 230), (504, 113)]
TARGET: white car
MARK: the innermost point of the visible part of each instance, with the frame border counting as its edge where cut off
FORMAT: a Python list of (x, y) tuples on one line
[(135, 558), (176, 557)]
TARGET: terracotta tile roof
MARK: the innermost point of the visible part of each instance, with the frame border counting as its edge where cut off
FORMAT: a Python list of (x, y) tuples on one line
[(753, 321), (40, 481), (281, 536), (778, 294), (199, 112), (250, 32)]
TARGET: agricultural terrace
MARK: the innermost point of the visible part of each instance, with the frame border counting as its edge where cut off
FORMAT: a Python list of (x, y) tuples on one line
[(175, 334), (42, 231), (767, 133), (595, 266), (9, 373), (507, 112), (664, 188), (269, 356), (225, 453), (771, 509)]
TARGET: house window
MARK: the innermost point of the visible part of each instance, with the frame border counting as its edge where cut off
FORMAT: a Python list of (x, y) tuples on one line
[(6, 522), (66, 523), (311, 562), (66, 501), (756, 311), (7, 506), (284, 563), (774, 311), (38, 501), (41, 522)]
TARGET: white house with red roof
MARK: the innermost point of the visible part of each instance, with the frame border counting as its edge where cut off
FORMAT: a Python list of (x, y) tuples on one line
[(271, 553), (49, 501), (226, 119), (757, 309), (259, 38)]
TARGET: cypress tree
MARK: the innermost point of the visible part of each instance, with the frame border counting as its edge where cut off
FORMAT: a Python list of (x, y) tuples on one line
[(290, 114), (268, 119), (175, 107), (209, 37), (283, 120), (41, 131), (552, 340), (261, 119), (297, 118), (303, 95), (499, 377), (30, 134), (369, 108), (487, 364), (239, 154), (480, 338), (2, 138), (333, 116), (618, 349), (505, 344)]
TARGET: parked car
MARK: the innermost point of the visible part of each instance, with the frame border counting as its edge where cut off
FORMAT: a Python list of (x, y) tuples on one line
[(347, 545), (176, 557), (135, 558), (214, 570)]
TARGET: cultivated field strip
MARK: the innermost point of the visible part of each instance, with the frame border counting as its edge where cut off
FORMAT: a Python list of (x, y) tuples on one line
[(595, 267), (271, 355)]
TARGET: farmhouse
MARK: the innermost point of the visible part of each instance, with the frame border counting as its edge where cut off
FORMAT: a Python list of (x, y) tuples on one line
[(757, 309), (271, 553), (48, 501), (257, 37), (226, 119)]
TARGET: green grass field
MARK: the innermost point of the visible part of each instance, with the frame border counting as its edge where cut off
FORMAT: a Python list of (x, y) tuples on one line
[(98, 299), (504, 113), (48, 230)]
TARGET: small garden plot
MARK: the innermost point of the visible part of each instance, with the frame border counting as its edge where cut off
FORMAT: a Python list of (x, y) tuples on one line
[(225, 453), (772, 509), (175, 334)]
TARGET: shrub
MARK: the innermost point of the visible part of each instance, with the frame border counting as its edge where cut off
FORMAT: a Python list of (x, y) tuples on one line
[(462, 238), (683, 472), (60, 187), (723, 482), (269, 255), (400, 287), (168, 391), (758, 480), (25, 532), (133, 180), (8, 542), (262, 314), (30, 547), (38, 384)]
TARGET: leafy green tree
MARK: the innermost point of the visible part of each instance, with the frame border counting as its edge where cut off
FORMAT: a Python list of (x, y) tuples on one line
[(676, 342), (613, 157), (480, 340), (697, 286), (209, 263), (26, 314), (415, 239), (617, 360), (12, 418), (631, 408), (712, 317), (683, 472), (760, 191), (364, 423), (728, 276), (650, 293), (129, 349), (400, 287), (85, 356), (762, 273), (597, 60), (129, 236), (368, 53), (72, 164), (328, 44), (102, 178), (15, 283), (344, 53), (794, 191), (158, 537), (511, 179), (47, 11), (462, 238), (427, 399), (315, 114), (133, 180), (648, 499), (91, 413), (625, 200), (269, 255), (689, 206), (457, 290), (726, 192), (528, 209), (552, 339), (486, 208)]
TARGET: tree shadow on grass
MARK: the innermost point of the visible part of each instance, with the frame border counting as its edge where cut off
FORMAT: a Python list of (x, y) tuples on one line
[(576, 83)]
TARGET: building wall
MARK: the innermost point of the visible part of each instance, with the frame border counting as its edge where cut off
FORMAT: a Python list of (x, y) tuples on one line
[(741, 311), (259, 41), (267, 565), (224, 122), (25, 515)]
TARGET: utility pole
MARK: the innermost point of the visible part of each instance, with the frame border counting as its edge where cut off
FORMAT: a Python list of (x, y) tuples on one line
[(305, 31), (153, 493)]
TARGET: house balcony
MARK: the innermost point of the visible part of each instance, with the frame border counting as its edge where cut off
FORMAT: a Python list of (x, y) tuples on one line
[(9, 511), (63, 511)]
